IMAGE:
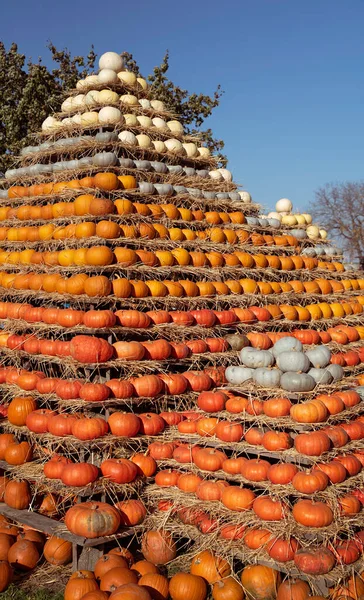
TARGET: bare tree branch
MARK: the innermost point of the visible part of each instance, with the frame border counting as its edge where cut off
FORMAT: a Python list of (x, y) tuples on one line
[(340, 209)]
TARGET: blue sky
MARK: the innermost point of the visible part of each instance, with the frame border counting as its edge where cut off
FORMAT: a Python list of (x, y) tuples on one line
[(292, 71)]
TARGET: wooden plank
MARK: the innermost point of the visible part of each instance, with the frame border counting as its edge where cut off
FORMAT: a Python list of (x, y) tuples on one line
[(57, 528)]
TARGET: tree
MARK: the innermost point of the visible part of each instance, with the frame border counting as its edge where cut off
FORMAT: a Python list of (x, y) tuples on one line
[(29, 92), (340, 209)]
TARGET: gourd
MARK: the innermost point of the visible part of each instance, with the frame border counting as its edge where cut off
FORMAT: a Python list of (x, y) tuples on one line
[(254, 358), (321, 376), (204, 152), (174, 146), (159, 146), (130, 120), (50, 124), (109, 115), (106, 136), (245, 197), (144, 121), (164, 189), (190, 149), (226, 174), (319, 356), (88, 118), (142, 164), (127, 137), (157, 105), (143, 140), (91, 80), (336, 371), (107, 97), (127, 77), (105, 159), (143, 84), (159, 123), (159, 167), (144, 103), (286, 344), (293, 361), (297, 382), (267, 377), (313, 232), (237, 375), (92, 98), (127, 163), (215, 175), (129, 99), (111, 60), (284, 205), (175, 126), (145, 187)]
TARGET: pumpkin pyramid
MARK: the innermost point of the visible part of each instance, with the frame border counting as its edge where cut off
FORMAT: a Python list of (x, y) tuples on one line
[(161, 337)]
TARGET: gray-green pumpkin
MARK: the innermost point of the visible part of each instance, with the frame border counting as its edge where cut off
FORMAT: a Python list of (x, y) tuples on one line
[(254, 358), (238, 375), (319, 356), (293, 361), (297, 382), (269, 378)]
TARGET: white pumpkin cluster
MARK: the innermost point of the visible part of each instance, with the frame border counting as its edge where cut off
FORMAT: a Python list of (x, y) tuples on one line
[(110, 72), (285, 366), (284, 214)]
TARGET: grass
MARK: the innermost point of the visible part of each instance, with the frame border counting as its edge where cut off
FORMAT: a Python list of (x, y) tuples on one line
[(14, 593)]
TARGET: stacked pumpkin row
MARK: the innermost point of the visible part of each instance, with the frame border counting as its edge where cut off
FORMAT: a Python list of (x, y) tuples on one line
[(102, 286), (317, 410), (283, 550), (255, 470), (205, 318)]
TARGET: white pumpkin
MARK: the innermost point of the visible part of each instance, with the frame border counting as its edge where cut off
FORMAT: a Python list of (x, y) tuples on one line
[(90, 81), (284, 205), (237, 375), (319, 356), (159, 146), (323, 234), (107, 97), (286, 344), (308, 218), (321, 376), (269, 378), (107, 77), (144, 103), (174, 146), (129, 99), (215, 174), (204, 152), (293, 361), (81, 85), (175, 126), (157, 105), (68, 121), (190, 149), (159, 123), (300, 219), (92, 98), (50, 124), (143, 140), (67, 105), (127, 137), (110, 115), (130, 120), (111, 60), (79, 102), (245, 196), (144, 121), (143, 84), (226, 174), (254, 358), (90, 118), (127, 77), (275, 215), (77, 119), (289, 220), (297, 382), (313, 232)]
